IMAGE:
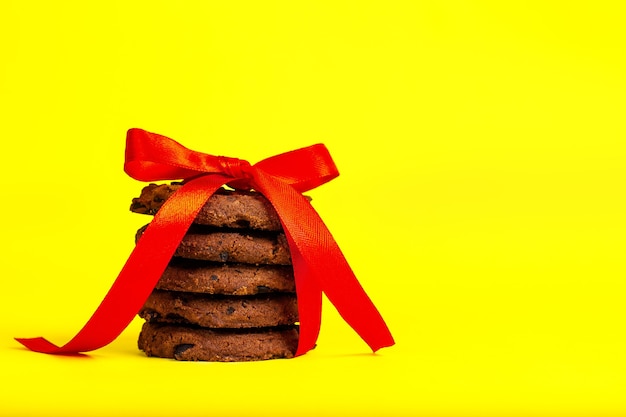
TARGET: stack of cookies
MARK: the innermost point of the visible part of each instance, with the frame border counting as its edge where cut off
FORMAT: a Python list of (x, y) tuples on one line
[(228, 293)]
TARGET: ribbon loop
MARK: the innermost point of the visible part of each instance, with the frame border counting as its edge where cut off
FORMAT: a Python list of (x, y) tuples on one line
[(319, 266)]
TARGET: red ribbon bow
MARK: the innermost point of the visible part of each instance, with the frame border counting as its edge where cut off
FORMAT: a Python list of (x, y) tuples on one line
[(318, 262)]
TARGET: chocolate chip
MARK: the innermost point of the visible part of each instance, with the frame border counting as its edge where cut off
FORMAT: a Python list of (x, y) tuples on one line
[(214, 278), (182, 348), (149, 315), (230, 310), (262, 289), (174, 317), (223, 256), (243, 223)]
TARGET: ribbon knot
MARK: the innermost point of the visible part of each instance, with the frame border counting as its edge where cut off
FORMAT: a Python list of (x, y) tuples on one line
[(236, 168), (319, 266)]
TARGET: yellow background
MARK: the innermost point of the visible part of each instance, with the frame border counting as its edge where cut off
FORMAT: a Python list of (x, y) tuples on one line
[(481, 199)]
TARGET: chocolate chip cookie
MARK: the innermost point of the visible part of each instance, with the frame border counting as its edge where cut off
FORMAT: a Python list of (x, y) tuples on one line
[(226, 345), (212, 311), (226, 208), (226, 278), (224, 245)]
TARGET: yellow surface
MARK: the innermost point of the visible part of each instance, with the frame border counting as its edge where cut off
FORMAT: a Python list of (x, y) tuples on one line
[(481, 199)]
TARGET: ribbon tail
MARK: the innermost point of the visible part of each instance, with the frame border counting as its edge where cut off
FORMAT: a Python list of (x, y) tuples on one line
[(309, 296), (141, 271), (325, 262)]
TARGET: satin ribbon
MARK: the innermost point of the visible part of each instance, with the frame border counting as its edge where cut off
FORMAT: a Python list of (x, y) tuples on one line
[(319, 265)]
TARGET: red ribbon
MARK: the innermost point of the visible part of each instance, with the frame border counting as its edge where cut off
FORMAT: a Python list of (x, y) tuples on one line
[(318, 262)]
